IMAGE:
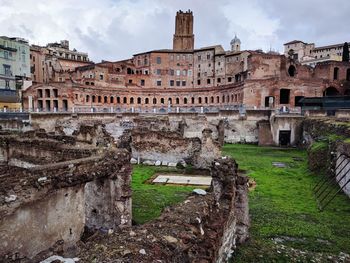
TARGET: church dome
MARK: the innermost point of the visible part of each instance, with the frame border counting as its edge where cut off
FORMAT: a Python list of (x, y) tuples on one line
[(235, 40)]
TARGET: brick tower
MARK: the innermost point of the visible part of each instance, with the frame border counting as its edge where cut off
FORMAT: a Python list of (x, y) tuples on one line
[(183, 37)]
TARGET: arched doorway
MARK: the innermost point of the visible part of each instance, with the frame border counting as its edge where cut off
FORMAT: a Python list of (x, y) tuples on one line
[(330, 92)]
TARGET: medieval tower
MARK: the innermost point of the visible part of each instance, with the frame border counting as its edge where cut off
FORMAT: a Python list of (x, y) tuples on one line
[(183, 37)]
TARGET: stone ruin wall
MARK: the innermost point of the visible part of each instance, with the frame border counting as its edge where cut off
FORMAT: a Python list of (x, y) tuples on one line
[(335, 133), (45, 206), (200, 229)]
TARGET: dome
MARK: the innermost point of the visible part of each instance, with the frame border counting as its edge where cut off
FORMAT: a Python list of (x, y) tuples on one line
[(235, 40)]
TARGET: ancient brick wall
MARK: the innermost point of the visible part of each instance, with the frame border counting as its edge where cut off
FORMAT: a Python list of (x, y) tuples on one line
[(55, 197), (200, 229)]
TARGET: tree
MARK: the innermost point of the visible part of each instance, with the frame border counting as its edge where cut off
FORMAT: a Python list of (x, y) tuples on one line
[(345, 52)]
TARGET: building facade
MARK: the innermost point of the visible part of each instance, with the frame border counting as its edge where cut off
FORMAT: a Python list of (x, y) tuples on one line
[(184, 78), (308, 54), (14, 71)]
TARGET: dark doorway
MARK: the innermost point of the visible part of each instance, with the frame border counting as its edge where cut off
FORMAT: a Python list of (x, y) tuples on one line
[(291, 71), (284, 138), (65, 105), (335, 73), (284, 96), (330, 92), (297, 101)]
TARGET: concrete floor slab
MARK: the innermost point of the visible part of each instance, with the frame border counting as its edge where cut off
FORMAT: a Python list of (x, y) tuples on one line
[(183, 179)]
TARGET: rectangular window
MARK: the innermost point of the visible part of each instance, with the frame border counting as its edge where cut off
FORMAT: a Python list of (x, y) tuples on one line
[(178, 83), (208, 81), (199, 58), (101, 77), (6, 54), (7, 70), (171, 57), (183, 57), (208, 56), (130, 81), (184, 83), (7, 84), (219, 80), (189, 72), (177, 57), (142, 82), (172, 72), (184, 72), (158, 71), (145, 61), (172, 83), (198, 82), (159, 60), (178, 72), (159, 83)]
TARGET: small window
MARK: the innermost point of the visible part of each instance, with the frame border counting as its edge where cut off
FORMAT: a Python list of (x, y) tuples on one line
[(208, 81), (142, 82), (159, 83), (159, 60), (178, 83), (158, 72), (198, 82), (171, 83), (183, 83)]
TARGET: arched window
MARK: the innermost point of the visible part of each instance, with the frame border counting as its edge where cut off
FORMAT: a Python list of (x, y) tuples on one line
[(162, 100), (200, 100), (217, 99), (146, 100), (87, 98), (131, 100), (211, 99), (138, 100), (170, 100), (177, 101), (118, 100), (93, 98), (125, 100), (227, 98), (112, 99), (185, 100), (105, 99), (99, 99), (192, 100), (206, 100), (223, 99), (291, 71), (154, 101)]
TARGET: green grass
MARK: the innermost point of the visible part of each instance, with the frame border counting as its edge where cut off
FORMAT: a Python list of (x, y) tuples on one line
[(282, 205), (149, 200)]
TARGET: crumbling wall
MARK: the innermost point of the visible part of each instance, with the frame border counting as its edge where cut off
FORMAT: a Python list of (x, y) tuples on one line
[(201, 229), (327, 139), (51, 203), (172, 147)]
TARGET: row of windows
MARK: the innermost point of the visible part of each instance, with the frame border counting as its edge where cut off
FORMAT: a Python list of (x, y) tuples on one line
[(193, 100), (173, 72)]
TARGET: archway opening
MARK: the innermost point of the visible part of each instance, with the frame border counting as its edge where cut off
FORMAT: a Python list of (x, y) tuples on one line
[(330, 92), (292, 71)]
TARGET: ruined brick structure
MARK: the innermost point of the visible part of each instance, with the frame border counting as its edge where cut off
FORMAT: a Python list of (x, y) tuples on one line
[(51, 190), (185, 77), (200, 229)]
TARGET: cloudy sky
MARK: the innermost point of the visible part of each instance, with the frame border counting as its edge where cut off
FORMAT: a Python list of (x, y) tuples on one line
[(116, 29)]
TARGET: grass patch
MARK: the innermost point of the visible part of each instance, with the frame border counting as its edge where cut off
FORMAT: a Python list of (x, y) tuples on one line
[(149, 200), (282, 205)]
